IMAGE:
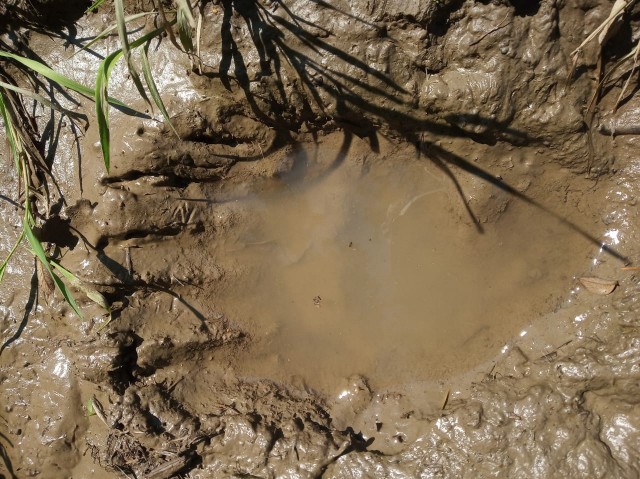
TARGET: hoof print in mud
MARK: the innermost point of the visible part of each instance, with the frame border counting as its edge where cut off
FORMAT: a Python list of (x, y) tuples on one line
[(344, 241)]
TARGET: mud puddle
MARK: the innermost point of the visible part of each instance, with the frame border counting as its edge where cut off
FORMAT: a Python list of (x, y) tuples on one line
[(369, 270)]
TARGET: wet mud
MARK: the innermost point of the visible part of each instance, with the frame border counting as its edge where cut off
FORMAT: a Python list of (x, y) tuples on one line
[(360, 257)]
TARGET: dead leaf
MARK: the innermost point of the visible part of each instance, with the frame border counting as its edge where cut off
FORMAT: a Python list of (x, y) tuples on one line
[(603, 32), (598, 285)]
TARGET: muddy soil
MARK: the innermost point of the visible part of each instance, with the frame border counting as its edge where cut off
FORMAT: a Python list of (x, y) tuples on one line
[(360, 257)]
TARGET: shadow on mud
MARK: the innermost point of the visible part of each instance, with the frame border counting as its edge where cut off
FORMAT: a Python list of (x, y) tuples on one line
[(269, 31), (31, 305), (5, 456)]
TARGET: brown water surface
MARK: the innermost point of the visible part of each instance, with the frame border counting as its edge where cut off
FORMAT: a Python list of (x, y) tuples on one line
[(372, 271)]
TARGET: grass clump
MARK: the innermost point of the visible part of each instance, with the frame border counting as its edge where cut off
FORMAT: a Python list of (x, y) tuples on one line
[(25, 162), (28, 161)]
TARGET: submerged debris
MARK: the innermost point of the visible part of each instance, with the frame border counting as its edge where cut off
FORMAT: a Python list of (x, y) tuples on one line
[(598, 285)]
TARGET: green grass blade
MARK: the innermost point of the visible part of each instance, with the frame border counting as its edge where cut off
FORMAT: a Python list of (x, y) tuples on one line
[(91, 293), (198, 37), (102, 86), (58, 78), (39, 98), (126, 51), (50, 74), (38, 251), (122, 29), (185, 24), (10, 132), (102, 106), (94, 5), (3, 267), (153, 89), (112, 28)]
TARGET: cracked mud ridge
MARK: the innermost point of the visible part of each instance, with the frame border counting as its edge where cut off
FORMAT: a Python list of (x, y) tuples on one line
[(364, 254)]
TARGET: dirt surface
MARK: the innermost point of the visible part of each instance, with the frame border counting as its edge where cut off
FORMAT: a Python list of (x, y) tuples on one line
[(360, 258)]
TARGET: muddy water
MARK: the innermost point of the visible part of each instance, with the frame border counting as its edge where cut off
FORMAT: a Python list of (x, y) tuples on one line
[(368, 269)]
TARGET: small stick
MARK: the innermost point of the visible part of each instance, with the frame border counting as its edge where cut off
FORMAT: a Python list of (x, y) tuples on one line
[(99, 410), (446, 399), (169, 468)]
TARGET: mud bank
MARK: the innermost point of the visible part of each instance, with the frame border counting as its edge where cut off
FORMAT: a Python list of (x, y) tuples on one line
[(265, 325)]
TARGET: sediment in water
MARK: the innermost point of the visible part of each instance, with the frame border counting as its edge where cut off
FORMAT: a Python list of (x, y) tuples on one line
[(193, 363)]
